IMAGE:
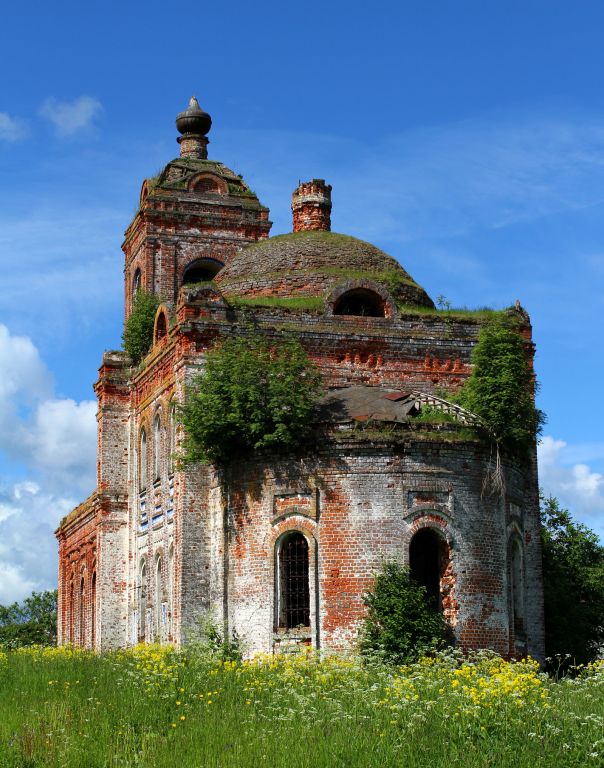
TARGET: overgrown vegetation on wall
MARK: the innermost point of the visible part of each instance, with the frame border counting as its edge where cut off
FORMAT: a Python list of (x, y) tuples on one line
[(138, 332), (400, 624), (501, 386), (253, 394)]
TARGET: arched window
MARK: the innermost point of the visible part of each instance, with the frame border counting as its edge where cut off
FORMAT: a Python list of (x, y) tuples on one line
[(360, 302), (172, 437), (156, 447), (82, 638), (207, 186), (201, 271), (136, 282), (161, 327), (171, 591), (142, 465), (427, 562), (158, 598), (93, 608), (517, 586), (72, 618), (293, 588), (142, 601)]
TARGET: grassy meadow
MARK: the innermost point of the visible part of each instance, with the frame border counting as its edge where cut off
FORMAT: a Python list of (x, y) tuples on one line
[(153, 706)]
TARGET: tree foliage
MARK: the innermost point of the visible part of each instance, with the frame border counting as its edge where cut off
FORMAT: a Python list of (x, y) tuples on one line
[(573, 580), (34, 621), (501, 386), (401, 623), (253, 394), (138, 331)]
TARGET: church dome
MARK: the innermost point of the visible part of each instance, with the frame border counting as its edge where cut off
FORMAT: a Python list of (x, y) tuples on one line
[(317, 264)]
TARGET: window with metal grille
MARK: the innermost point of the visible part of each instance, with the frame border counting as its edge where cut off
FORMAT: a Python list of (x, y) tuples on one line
[(294, 597)]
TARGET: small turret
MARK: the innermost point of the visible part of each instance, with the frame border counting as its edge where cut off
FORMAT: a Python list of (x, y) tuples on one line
[(311, 206)]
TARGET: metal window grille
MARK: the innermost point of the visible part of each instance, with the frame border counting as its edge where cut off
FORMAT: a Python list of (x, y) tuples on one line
[(293, 568)]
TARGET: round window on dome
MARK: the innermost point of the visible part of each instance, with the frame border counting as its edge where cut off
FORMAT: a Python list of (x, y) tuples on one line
[(360, 302)]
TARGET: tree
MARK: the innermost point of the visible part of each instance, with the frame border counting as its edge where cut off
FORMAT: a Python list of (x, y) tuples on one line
[(34, 621), (138, 332), (401, 623), (501, 387), (253, 394), (573, 581)]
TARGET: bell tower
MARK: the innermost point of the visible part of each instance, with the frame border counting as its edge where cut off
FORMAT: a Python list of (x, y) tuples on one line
[(192, 218)]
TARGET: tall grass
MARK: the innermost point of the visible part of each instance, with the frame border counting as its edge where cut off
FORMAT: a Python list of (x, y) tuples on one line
[(156, 707)]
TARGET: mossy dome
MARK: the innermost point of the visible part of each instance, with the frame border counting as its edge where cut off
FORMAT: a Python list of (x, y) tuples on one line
[(317, 264)]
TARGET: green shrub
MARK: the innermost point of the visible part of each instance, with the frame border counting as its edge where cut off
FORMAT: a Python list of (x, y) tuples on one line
[(32, 622), (253, 394), (138, 332), (401, 623), (501, 387)]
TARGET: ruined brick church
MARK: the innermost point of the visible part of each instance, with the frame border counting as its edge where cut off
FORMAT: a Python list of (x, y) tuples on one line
[(285, 556)]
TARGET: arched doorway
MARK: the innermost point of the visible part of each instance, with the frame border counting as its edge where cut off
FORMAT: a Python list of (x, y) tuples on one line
[(427, 562)]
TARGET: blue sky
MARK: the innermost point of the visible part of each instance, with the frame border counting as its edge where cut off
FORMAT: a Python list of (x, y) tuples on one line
[(465, 138)]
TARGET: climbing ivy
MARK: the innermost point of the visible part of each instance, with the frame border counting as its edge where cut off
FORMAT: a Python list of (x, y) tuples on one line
[(138, 332), (253, 394), (501, 387)]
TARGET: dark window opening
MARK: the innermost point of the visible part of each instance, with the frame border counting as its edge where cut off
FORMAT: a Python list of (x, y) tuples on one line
[(426, 563), (294, 596), (82, 638), (161, 328), (517, 588), (360, 302), (136, 282), (201, 271), (93, 609)]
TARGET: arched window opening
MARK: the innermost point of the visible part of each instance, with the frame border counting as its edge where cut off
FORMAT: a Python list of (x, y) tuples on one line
[(517, 587), (201, 271), (360, 302), (161, 327), (207, 186), (294, 593), (171, 591), (93, 608), (172, 438), (427, 562), (142, 602), (158, 598), (136, 282), (82, 638), (72, 618), (142, 466), (156, 447)]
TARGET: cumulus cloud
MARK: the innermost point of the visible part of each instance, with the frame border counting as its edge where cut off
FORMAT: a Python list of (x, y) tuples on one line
[(11, 129), (28, 549), (576, 485), (71, 117), (54, 442)]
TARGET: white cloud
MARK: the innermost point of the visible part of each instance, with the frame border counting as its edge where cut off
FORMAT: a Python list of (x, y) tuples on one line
[(575, 485), (71, 117), (54, 440), (11, 128), (28, 549)]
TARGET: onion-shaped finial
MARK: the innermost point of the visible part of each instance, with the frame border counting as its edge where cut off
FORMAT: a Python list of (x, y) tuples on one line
[(193, 119)]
